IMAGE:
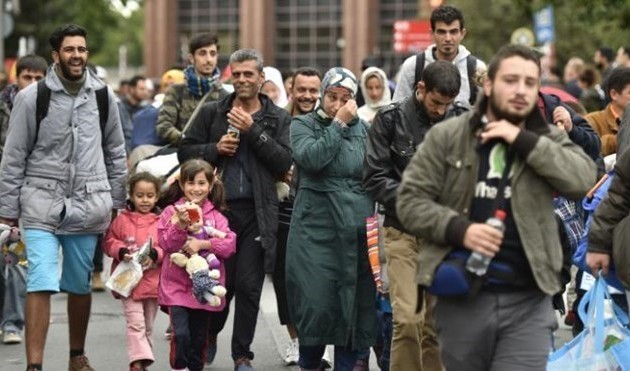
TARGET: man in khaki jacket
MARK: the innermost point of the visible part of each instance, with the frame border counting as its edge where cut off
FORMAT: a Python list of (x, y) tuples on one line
[(447, 193)]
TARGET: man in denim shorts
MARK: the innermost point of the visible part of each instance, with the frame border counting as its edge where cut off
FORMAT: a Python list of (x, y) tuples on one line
[(63, 171)]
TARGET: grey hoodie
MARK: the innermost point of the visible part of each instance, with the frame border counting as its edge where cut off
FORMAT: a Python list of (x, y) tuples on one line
[(408, 73)]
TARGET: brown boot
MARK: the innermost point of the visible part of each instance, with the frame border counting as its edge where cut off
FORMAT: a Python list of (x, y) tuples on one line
[(97, 283)]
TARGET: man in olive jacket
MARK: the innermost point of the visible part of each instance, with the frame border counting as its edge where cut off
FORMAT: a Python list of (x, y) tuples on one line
[(448, 191)]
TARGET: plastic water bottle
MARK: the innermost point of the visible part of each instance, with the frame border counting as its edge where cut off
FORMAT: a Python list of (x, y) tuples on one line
[(478, 263)]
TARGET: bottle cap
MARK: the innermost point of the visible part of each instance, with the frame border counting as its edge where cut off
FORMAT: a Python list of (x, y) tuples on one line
[(500, 214)]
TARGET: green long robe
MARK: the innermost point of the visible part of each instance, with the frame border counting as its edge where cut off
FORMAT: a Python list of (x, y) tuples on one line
[(331, 294)]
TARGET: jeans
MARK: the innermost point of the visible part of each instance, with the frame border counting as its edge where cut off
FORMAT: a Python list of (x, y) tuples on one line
[(311, 357), (14, 294)]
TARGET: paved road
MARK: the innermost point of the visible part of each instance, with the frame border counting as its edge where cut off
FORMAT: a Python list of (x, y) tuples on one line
[(106, 344)]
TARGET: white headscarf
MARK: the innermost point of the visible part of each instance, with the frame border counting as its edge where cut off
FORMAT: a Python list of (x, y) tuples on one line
[(272, 74)]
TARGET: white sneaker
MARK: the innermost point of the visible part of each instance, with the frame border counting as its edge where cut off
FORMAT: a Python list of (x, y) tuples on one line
[(326, 360), (11, 337), (292, 354)]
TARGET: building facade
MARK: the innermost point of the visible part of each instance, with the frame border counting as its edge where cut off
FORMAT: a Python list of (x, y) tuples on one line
[(289, 33)]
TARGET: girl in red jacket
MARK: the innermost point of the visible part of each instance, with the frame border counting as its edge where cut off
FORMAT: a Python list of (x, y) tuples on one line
[(133, 227)]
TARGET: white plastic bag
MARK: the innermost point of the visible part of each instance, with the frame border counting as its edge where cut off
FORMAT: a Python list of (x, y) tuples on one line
[(125, 277)]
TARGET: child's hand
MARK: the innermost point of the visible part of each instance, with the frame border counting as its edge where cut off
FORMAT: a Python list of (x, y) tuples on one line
[(146, 263), (181, 216), (193, 245), (127, 257)]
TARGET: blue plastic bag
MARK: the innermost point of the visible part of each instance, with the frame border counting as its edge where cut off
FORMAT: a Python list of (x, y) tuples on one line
[(604, 344), (579, 257)]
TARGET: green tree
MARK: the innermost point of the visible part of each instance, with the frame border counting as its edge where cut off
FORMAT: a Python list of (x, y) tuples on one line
[(106, 28), (581, 26)]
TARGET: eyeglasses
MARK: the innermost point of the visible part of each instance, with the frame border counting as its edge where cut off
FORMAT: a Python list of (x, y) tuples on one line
[(72, 49)]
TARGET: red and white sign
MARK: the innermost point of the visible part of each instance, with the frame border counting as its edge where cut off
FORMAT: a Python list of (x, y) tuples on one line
[(411, 36)]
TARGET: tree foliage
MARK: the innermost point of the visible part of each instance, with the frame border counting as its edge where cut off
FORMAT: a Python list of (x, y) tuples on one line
[(581, 26), (107, 29)]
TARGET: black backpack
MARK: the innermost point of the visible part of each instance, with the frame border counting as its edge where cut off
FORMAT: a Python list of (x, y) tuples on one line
[(471, 64), (43, 102)]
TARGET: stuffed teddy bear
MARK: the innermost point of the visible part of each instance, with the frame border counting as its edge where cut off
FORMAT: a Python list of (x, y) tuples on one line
[(204, 274), (12, 246)]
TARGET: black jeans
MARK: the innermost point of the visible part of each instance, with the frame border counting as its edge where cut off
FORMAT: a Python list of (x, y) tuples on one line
[(188, 343), (245, 274), (98, 255)]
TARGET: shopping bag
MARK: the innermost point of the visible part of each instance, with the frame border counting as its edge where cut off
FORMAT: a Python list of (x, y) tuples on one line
[(604, 344), (127, 274), (372, 236)]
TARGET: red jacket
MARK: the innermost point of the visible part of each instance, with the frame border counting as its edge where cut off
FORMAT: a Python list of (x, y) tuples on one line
[(141, 227), (175, 283)]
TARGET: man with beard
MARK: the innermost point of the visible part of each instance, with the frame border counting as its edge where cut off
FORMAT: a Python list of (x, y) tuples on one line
[(305, 86), (394, 135), (62, 177), (246, 137), (450, 189), (448, 31), (202, 84)]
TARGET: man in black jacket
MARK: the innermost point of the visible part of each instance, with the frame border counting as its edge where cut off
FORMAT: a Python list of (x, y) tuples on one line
[(247, 138), (394, 135)]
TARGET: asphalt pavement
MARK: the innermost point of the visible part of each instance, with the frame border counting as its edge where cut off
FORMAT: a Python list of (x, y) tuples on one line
[(106, 343)]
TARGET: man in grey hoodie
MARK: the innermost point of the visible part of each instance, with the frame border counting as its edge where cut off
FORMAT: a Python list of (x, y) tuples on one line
[(447, 28), (62, 174)]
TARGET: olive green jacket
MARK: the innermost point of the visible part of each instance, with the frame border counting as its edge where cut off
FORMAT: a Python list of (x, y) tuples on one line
[(610, 229), (438, 187)]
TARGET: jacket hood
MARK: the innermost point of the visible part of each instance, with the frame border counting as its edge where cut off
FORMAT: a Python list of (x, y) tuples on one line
[(462, 54), (92, 82), (386, 98)]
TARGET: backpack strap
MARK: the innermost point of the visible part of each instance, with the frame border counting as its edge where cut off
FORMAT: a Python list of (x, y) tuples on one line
[(419, 68), (43, 102), (41, 105), (471, 65), (102, 101)]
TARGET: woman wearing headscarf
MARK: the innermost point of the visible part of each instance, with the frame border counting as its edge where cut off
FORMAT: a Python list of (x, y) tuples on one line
[(273, 87), (375, 92), (329, 285)]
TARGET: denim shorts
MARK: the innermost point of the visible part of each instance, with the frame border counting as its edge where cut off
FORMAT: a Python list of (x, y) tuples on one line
[(42, 250)]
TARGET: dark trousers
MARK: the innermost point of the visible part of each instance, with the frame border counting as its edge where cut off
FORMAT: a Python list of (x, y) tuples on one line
[(188, 343), (279, 285), (245, 274), (345, 358)]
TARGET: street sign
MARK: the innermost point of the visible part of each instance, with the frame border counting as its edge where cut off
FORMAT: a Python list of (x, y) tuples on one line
[(544, 25), (411, 36)]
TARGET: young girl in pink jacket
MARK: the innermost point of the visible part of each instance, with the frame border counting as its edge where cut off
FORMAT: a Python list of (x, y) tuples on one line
[(133, 227), (177, 232)]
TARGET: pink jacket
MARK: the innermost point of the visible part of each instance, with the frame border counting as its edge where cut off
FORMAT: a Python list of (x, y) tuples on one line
[(141, 227), (175, 283)]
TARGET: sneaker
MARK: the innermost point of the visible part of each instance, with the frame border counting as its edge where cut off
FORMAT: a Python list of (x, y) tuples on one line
[(167, 333), (243, 364), (326, 361), (292, 354), (80, 363), (97, 283), (11, 337), (211, 350)]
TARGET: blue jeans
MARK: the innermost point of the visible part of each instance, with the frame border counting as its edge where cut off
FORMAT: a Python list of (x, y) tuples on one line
[(384, 338), (311, 357), (14, 294)]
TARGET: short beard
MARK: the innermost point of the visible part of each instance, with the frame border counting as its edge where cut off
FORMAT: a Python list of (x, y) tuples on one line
[(500, 114), (65, 71)]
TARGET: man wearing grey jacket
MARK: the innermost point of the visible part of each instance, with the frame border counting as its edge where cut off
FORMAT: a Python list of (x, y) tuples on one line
[(61, 176)]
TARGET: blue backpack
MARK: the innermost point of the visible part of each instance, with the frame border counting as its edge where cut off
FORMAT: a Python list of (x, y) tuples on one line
[(144, 131)]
